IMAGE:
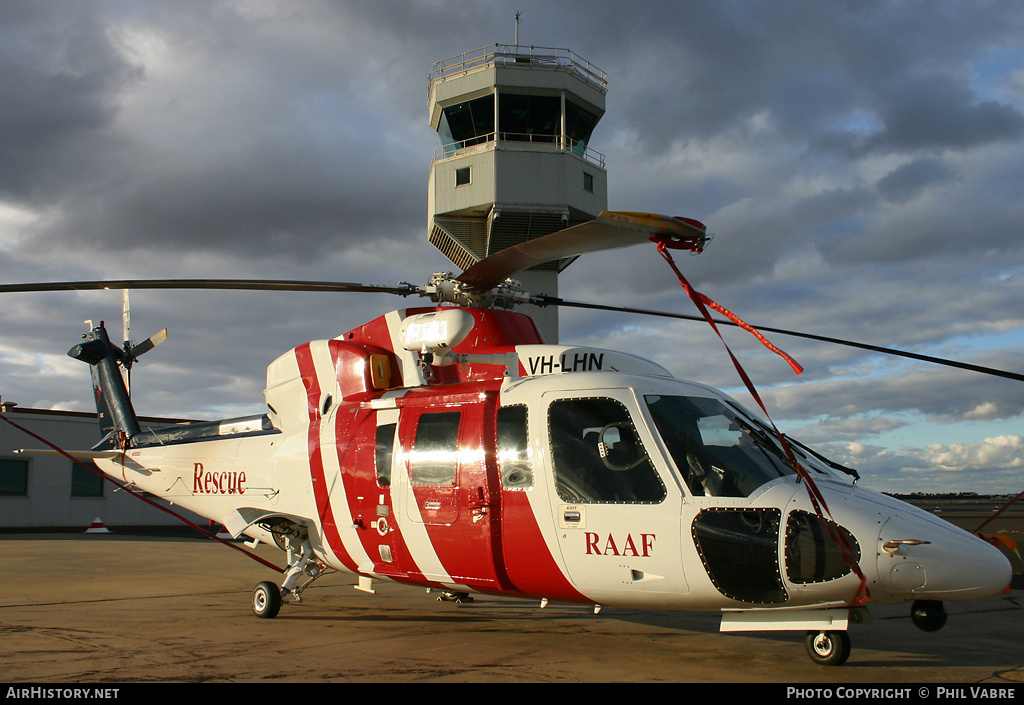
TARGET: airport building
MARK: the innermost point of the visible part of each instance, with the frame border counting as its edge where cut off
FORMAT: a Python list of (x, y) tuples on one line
[(52, 491)]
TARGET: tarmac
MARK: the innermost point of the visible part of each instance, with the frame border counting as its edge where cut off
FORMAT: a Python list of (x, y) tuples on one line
[(116, 608)]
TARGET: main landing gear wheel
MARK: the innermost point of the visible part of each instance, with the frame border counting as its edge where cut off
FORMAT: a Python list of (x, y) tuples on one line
[(828, 648), (266, 600), (456, 597)]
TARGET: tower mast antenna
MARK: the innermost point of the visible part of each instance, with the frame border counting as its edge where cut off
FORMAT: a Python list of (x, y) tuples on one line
[(518, 14)]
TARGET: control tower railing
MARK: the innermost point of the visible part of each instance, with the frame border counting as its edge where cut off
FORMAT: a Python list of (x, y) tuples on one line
[(512, 140), (511, 54)]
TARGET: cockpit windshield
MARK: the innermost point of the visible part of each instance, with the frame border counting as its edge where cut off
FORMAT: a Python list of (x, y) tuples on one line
[(718, 452)]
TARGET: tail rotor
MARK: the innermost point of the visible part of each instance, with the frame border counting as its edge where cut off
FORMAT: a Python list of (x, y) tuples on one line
[(130, 352)]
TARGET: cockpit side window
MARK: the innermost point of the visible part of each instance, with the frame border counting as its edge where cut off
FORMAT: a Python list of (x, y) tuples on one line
[(598, 455), (717, 452)]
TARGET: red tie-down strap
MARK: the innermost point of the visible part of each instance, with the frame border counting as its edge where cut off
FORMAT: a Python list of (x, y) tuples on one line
[(817, 500)]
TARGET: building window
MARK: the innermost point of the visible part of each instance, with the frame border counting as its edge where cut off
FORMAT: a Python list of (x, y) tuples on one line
[(85, 483), (462, 176), (529, 118), (588, 182), (466, 124), (579, 126), (13, 478)]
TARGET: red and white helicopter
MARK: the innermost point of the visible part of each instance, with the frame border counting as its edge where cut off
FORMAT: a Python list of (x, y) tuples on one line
[(449, 447)]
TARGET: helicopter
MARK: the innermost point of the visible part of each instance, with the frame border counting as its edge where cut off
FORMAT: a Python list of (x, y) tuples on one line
[(450, 447)]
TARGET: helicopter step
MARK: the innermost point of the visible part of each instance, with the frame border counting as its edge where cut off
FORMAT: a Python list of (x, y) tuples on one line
[(827, 640)]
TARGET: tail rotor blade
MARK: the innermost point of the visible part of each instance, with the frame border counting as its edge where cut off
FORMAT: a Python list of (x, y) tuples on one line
[(148, 344)]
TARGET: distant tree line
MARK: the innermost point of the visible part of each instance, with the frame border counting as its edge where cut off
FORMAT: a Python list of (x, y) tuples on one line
[(943, 495)]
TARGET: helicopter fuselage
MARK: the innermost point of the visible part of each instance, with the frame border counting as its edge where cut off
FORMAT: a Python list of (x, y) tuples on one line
[(548, 472)]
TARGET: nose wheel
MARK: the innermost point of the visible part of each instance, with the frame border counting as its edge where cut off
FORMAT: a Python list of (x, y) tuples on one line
[(928, 615), (828, 648)]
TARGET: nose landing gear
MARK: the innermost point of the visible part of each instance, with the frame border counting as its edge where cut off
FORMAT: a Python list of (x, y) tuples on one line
[(828, 648), (928, 615)]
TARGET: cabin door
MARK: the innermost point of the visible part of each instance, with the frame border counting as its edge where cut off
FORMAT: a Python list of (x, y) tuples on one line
[(617, 508), (450, 493)]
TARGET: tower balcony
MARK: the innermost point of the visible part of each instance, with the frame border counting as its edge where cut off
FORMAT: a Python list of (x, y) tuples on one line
[(521, 141)]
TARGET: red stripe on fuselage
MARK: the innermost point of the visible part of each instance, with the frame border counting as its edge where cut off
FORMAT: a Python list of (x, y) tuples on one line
[(321, 494), (528, 561)]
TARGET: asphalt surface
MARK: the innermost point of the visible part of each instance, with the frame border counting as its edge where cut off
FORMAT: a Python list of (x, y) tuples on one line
[(110, 608)]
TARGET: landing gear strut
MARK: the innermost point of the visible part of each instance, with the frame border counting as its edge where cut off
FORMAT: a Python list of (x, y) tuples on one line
[(267, 597)]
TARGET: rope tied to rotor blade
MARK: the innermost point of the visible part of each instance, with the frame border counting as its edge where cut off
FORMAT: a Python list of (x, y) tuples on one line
[(818, 502), (133, 493)]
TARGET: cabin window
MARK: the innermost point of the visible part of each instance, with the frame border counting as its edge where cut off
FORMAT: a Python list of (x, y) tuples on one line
[(434, 454), (384, 452), (588, 182), (717, 452), (812, 552), (740, 551), (462, 176), (598, 456), (13, 478), (515, 464)]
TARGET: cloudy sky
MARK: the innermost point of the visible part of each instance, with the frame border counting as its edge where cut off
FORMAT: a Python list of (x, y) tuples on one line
[(861, 165)]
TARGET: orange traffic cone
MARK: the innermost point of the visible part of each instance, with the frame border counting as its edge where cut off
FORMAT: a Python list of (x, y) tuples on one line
[(97, 527)]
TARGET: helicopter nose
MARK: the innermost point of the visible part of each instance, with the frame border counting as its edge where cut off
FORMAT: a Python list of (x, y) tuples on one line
[(934, 560)]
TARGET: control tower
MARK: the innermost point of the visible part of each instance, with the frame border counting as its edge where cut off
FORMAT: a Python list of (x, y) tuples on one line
[(515, 161)]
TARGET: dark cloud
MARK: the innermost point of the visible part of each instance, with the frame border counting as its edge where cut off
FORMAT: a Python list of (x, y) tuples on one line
[(61, 77), (939, 112), (860, 164), (908, 180)]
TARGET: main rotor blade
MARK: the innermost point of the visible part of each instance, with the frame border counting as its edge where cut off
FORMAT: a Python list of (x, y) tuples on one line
[(245, 284), (608, 231), (554, 301)]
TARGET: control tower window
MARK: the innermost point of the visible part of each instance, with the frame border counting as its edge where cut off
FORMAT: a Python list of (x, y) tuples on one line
[(468, 123), (579, 126), (529, 118)]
